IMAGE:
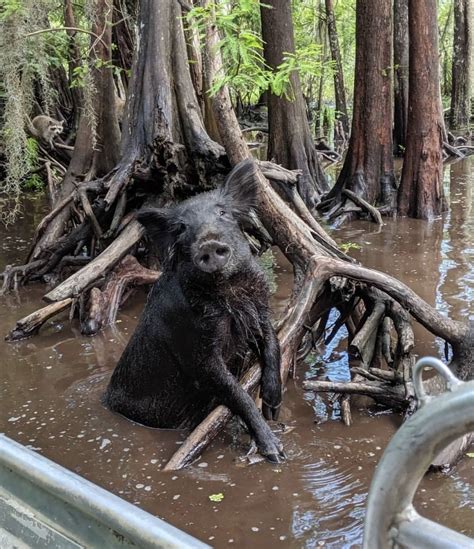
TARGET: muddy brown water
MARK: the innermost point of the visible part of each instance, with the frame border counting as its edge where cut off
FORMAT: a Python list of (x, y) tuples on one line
[(50, 401)]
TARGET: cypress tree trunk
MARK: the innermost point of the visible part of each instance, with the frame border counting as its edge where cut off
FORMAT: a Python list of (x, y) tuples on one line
[(290, 142), (340, 92), (421, 190), (163, 127), (462, 64), (368, 167)]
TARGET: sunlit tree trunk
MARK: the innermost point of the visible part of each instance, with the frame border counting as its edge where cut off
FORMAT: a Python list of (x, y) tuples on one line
[(368, 167), (290, 142), (462, 63), (340, 92), (421, 191)]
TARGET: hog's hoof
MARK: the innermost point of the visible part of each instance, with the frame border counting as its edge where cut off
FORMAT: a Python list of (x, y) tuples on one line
[(276, 458), (270, 412), (272, 450)]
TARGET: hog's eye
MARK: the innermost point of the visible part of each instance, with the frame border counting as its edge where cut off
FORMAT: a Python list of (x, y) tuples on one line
[(180, 228), (222, 212)]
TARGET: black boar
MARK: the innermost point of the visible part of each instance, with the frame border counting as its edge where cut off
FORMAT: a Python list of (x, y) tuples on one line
[(204, 317)]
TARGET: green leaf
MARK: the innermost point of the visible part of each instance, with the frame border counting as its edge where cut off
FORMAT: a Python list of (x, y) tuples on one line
[(217, 497), (470, 454)]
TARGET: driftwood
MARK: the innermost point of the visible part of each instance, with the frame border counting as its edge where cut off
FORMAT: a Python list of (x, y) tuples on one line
[(375, 214), (391, 395), (30, 325)]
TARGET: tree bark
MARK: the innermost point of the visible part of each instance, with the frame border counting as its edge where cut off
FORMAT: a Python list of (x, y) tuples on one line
[(368, 167), (339, 89), (107, 151), (421, 190), (400, 74), (163, 128), (462, 64), (290, 142), (73, 59)]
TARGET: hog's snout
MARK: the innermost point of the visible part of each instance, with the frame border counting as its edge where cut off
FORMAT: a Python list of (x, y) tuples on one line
[(212, 256)]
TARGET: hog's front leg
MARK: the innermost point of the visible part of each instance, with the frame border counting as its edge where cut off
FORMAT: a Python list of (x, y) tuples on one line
[(269, 350), (229, 392)]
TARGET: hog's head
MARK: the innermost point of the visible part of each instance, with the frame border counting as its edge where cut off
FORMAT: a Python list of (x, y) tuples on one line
[(204, 234)]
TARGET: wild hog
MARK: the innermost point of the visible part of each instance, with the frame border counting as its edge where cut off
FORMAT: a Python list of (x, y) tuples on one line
[(205, 315)]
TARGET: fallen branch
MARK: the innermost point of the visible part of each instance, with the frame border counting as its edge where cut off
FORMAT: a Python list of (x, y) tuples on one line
[(381, 392), (207, 430), (99, 266), (30, 325), (374, 213)]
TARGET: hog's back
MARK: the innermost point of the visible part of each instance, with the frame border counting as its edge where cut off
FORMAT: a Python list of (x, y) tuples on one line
[(149, 384)]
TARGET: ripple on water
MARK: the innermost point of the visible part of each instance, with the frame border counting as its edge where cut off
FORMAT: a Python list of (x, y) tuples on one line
[(341, 495)]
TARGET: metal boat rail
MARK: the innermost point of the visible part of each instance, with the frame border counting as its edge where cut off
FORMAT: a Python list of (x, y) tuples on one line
[(45, 505), (391, 519)]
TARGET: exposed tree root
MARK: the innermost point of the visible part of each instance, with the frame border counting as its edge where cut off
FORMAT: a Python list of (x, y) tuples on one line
[(457, 147), (364, 205), (103, 304), (289, 335), (14, 275), (370, 334), (98, 267), (93, 221)]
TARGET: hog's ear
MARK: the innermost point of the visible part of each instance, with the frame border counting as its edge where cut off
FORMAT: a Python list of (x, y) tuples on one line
[(155, 220), (240, 187)]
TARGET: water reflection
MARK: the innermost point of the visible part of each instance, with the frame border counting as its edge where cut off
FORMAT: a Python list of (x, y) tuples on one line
[(456, 289), (341, 495), (50, 389)]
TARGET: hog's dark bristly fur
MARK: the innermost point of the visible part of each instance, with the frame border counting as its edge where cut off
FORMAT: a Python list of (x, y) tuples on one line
[(205, 319)]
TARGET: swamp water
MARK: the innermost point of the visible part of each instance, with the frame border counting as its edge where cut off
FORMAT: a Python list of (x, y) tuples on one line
[(50, 388)]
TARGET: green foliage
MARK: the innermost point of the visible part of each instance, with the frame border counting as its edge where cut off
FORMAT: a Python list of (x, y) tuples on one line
[(244, 69), (241, 46), (216, 498), (10, 8), (306, 61), (31, 152), (346, 247), (34, 183)]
